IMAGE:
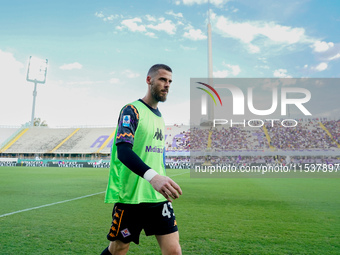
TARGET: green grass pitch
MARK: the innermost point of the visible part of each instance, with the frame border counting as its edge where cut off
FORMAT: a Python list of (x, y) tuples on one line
[(215, 216)]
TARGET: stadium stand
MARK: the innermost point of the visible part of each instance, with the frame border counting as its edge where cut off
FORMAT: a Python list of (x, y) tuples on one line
[(177, 138), (333, 128), (199, 139), (60, 141), (88, 141), (39, 140), (5, 134), (308, 138), (306, 135), (236, 138)]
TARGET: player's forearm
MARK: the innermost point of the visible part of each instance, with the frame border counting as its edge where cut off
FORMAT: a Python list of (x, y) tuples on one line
[(131, 160)]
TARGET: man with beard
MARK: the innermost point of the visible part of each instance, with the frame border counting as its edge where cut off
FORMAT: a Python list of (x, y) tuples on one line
[(138, 185)]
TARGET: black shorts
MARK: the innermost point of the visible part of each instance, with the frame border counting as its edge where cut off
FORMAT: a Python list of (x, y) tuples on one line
[(128, 220)]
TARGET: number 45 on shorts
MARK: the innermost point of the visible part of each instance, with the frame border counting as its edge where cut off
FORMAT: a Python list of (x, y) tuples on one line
[(166, 212)]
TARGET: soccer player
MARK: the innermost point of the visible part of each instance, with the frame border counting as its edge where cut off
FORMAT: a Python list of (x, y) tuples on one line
[(138, 185)]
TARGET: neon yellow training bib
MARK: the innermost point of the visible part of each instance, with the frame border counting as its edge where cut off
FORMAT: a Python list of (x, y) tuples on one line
[(125, 186)]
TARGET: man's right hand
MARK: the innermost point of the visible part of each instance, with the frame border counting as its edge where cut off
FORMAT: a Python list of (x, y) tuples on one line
[(166, 186)]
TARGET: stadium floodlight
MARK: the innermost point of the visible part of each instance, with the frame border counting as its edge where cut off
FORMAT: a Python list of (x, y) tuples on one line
[(37, 69), (36, 72)]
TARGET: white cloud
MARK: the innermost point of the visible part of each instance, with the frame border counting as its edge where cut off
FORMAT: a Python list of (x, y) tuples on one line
[(177, 15), (217, 3), (334, 57), (321, 67), (188, 27), (253, 48), (139, 25), (50, 96), (321, 46), (262, 66), (233, 70), (188, 48), (326, 51), (264, 60), (108, 18), (128, 73), (195, 35), (167, 26), (248, 32), (177, 111), (281, 73), (9, 66), (71, 66), (150, 34), (99, 14), (132, 25), (150, 18), (283, 34), (111, 17), (84, 82), (114, 81), (268, 84), (147, 24), (319, 84), (15, 91), (221, 74), (191, 2)]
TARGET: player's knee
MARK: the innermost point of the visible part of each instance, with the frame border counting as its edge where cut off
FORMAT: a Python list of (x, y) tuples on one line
[(177, 251), (118, 247), (174, 250)]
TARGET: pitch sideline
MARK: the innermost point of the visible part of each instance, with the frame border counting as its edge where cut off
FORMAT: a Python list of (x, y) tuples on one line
[(61, 202)]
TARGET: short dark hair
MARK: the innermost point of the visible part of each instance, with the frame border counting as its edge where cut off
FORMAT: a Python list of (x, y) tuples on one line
[(153, 69)]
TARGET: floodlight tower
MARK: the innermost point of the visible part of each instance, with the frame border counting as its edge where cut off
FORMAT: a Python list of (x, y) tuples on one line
[(210, 61), (36, 72), (210, 67)]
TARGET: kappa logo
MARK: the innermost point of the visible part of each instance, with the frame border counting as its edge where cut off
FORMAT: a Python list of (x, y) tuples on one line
[(158, 134)]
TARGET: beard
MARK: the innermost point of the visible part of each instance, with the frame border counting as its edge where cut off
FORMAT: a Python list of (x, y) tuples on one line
[(157, 93)]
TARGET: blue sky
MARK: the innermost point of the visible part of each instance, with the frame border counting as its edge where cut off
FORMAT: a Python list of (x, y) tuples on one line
[(99, 51)]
